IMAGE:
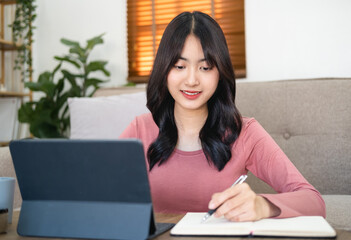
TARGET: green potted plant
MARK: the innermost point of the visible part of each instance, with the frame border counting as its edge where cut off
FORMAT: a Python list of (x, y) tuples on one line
[(22, 36), (49, 116)]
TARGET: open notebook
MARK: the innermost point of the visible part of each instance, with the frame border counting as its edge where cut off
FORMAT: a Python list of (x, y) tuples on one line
[(305, 226)]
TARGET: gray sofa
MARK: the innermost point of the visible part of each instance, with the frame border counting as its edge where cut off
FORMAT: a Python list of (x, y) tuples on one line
[(309, 119)]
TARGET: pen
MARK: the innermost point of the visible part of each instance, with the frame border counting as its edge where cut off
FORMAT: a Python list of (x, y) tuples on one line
[(240, 180)]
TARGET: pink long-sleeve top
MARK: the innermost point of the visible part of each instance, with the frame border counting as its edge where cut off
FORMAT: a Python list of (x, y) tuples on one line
[(186, 182)]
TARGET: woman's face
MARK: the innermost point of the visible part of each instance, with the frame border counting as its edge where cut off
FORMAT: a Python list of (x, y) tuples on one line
[(192, 81)]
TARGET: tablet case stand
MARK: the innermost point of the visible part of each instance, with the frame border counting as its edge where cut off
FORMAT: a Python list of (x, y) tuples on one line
[(83, 189), (68, 219)]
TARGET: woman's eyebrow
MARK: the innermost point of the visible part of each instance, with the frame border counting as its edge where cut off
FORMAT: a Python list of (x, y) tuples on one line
[(185, 59)]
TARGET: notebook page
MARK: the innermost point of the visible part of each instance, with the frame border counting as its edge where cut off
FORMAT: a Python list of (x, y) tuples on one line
[(304, 226), (191, 224)]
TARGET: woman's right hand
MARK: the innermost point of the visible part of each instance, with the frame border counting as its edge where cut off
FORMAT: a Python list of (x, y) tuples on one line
[(240, 203)]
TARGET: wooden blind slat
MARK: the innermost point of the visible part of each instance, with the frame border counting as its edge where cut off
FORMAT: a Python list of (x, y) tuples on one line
[(144, 37)]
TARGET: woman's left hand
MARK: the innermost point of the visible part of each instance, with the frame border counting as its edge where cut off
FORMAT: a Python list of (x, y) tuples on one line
[(240, 203)]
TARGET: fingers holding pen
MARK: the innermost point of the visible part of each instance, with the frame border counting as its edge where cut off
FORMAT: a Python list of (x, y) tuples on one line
[(236, 203)]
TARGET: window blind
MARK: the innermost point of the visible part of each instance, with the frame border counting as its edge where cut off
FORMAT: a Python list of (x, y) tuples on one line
[(147, 19)]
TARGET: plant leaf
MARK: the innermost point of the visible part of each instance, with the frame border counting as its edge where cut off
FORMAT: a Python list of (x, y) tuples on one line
[(45, 130), (25, 112), (62, 100), (91, 43), (56, 69), (130, 84), (44, 119), (75, 92), (60, 85), (70, 42), (65, 112), (75, 48), (44, 84), (69, 60), (70, 77), (65, 122), (80, 52), (97, 66), (93, 82)]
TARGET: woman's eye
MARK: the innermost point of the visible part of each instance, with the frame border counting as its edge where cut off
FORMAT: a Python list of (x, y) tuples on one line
[(205, 68), (179, 67)]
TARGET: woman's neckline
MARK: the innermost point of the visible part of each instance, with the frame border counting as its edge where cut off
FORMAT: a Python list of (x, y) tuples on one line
[(188, 153)]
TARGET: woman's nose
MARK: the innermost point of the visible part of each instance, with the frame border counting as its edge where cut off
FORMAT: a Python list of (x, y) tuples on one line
[(192, 78)]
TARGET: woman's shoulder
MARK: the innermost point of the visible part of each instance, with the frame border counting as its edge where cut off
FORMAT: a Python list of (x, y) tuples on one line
[(145, 118), (251, 127), (248, 121), (145, 122), (142, 125)]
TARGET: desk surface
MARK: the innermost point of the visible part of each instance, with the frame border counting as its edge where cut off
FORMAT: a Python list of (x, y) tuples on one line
[(171, 218)]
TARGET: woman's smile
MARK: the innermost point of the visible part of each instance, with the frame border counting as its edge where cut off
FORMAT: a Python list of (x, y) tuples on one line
[(191, 94)]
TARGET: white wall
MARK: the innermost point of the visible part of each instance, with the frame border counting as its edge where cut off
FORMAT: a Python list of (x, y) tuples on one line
[(293, 39), (80, 20), (285, 39)]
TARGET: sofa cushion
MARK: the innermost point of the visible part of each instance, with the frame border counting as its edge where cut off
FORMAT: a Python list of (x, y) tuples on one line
[(104, 117)]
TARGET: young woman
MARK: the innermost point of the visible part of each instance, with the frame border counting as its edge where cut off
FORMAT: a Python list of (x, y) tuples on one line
[(198, 144)]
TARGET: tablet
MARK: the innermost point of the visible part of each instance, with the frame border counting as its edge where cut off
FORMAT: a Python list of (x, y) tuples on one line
[(96, 189)]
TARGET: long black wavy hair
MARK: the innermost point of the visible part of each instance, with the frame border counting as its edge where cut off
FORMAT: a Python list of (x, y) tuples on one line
[(223, 124)]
